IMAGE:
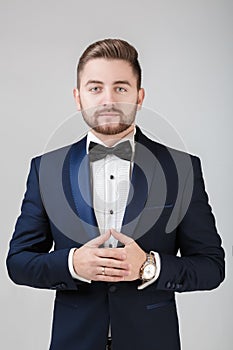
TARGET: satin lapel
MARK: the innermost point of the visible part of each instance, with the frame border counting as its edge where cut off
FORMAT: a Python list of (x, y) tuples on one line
[(143, 172), (81, 187)]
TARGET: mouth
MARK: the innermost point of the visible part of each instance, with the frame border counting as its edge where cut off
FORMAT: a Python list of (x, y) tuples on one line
[(108, 114)]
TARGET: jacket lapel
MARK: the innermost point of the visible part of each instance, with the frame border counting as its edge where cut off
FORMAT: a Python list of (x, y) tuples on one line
[(81, 187), (143, 172)]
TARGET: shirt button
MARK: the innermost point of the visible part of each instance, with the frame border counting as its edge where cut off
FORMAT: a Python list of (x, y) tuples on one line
[(111, 177), (111, 211)]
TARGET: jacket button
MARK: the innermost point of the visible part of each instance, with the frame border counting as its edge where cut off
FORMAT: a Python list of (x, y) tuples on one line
[(59, 286), (168, 285), (112, 289)]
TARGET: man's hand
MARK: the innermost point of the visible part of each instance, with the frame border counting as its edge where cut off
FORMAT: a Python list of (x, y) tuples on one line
[(135, 256), (101, 264), (109, 264)]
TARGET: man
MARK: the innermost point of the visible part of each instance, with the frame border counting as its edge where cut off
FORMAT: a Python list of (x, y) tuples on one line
[(118, 207)]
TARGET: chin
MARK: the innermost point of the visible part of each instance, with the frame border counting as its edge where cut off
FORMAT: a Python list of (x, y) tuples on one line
[(111, 129)]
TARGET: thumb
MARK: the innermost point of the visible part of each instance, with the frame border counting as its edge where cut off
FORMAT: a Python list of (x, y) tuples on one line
[(96, 242), (121, 237)]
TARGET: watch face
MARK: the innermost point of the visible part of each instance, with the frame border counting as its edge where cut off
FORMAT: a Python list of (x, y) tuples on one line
[(149, 272)]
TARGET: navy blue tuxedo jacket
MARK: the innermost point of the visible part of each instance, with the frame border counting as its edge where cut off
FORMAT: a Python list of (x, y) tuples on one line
[(167, 212)]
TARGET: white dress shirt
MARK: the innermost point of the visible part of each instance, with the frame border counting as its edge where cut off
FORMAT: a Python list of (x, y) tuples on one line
[(110, 182)]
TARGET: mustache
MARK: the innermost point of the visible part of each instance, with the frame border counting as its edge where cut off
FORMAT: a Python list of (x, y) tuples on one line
[(108, 110)]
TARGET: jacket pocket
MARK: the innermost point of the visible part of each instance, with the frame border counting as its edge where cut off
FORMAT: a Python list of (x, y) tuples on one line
[(158, 305)]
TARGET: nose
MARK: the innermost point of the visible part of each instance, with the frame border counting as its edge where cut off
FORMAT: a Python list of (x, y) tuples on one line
[(108, 97)]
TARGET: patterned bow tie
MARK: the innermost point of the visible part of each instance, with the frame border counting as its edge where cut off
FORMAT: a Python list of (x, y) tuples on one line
[(123, 150)]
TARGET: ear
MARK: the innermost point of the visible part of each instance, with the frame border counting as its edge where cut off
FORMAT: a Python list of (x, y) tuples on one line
[(141, 95), (77, 98)]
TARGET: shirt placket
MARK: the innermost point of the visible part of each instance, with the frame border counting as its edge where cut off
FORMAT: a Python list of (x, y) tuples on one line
[(110, 196)]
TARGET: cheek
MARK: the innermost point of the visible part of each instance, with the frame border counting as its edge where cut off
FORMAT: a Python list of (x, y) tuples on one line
[(132, 100), (128, 106), (88, 101)]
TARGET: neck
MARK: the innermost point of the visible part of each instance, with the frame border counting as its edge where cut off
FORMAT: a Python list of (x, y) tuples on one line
[(111, 140)]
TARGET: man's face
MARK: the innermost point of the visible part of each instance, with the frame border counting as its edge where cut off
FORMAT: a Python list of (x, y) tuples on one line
[(108, 96)]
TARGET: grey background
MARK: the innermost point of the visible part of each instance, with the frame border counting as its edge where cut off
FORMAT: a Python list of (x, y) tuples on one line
[(186, 53)]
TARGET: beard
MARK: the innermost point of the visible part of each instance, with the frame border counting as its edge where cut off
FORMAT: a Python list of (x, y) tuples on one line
[(110, 119)]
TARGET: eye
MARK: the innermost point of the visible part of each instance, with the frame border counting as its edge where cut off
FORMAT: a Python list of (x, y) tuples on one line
[(95, 89), (121, 89)]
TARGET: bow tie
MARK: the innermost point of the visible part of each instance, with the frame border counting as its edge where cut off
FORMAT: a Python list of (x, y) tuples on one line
[(123, 150)]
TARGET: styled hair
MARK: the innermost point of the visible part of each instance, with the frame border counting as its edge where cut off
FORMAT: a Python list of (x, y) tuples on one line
[(111, 49)]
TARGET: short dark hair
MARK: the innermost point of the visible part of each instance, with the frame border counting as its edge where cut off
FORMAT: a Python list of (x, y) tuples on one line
[(111, 49)]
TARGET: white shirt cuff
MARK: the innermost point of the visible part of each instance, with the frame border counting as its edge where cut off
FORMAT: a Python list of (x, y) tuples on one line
[(158, 268), (71, 267)]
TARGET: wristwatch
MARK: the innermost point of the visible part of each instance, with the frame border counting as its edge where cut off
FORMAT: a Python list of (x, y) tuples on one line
[(148, 268)]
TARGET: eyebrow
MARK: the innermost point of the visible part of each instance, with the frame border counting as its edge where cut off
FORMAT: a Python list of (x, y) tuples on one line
[(93, 82), (123, 82)]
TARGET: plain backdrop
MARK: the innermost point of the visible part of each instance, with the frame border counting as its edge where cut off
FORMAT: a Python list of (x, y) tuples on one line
[(186, 52)]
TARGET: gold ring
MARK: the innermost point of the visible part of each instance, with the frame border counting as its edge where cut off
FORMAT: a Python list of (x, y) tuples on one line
[(103, 270)]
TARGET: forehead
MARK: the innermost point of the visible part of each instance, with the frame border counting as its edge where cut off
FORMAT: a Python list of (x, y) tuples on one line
[(107, 71)]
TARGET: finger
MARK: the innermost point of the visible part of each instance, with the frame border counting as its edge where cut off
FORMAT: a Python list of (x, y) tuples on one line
[(102, 278), (111, 253), (121, 237), (96, 242), (108, 271), (113, 263)]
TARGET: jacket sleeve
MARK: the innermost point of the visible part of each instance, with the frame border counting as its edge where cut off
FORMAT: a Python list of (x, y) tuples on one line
[(200, 265), (30, 260)]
